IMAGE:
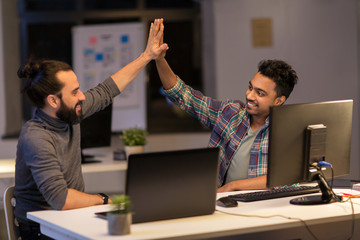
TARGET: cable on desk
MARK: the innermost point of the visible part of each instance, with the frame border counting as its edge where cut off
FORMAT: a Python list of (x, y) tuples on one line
[(320, 177), (299, 219), (272, 216), (353, 217), (319, 165)]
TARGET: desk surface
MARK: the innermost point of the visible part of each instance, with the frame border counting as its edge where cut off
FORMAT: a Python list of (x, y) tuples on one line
[(247, 218), (96, 175), (7, 166)]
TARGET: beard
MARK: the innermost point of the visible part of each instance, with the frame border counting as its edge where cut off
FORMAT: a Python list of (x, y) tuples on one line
[(69, 115)]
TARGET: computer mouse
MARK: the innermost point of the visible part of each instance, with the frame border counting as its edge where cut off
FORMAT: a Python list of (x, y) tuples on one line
[(226, 202)]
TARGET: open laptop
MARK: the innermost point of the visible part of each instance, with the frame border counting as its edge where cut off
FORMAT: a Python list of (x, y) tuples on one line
[(172, 184)]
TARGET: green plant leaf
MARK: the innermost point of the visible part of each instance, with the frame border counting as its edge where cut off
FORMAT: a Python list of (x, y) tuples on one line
[(134, 137)]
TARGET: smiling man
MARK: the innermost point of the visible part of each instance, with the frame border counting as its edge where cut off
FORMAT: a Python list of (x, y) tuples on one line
[(239, 130), (48, 159)]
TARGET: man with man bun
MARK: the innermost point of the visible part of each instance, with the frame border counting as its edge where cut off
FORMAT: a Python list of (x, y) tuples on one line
[(48, 160)]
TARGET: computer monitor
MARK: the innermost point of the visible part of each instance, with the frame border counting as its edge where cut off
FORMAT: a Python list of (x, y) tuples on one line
[(291, 155), (96, 132)]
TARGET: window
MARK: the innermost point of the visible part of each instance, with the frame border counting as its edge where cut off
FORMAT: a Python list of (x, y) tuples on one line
[(46, 33)]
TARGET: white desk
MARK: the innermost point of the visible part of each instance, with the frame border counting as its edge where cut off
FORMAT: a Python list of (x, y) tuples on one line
[(97, 176), (107, 176), (330, 221), (7, 175), (7, 168)]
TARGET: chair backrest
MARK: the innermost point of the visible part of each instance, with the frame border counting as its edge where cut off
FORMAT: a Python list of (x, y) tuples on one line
[(11, 222)]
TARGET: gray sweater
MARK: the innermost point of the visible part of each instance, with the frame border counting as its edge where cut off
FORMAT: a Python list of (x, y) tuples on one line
[(48, 158)]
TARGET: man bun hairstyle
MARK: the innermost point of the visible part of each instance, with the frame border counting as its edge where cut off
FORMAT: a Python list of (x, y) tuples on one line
[(281, 73), (39, 79)]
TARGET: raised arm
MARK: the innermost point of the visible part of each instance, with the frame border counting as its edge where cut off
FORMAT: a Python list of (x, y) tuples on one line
[(153, 50), (167, 76)]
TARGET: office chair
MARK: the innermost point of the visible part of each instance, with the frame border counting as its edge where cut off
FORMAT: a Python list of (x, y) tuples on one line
[(11, 222)]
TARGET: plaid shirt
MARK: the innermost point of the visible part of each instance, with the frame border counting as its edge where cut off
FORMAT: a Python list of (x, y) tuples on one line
[(229, 122)]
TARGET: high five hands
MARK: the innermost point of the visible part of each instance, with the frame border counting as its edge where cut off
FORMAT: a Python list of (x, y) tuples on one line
[(156, 48)]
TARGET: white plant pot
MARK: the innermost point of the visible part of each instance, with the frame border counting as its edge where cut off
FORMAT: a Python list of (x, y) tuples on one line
[(133, 149), (119, 224)]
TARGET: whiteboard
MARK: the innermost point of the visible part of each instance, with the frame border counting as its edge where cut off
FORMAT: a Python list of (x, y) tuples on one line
[(101, 50)]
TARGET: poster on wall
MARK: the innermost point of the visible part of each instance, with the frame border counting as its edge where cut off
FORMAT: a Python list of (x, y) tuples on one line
[(101, 50)]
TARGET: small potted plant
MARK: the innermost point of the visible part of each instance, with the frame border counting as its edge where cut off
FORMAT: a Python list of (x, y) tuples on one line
[(120, 218), (134, 140)]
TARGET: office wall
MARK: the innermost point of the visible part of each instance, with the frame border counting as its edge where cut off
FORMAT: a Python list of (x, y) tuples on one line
[(9, 83), (7, 148), (11, 59), (317, 37), (2, 88)]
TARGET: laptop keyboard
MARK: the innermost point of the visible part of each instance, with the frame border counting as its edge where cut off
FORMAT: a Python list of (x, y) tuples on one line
[(275, 193)]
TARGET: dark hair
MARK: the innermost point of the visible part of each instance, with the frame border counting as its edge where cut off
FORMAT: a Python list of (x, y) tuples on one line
[(281, 73), (40, 79)]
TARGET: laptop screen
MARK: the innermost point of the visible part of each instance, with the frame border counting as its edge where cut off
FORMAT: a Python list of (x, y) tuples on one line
[(172, 184)]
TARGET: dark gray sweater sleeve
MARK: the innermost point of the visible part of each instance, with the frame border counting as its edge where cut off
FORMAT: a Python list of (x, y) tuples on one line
[(99, 97)]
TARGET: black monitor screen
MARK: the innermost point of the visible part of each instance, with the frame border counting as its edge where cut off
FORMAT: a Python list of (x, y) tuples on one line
[(96, 131), (288, 159)]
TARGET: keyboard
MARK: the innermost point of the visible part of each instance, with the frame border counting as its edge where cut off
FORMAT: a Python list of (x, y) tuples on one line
[(275, 193)]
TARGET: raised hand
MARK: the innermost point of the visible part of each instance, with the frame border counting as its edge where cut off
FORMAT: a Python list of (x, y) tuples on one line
[(163, 53), (155, 47)]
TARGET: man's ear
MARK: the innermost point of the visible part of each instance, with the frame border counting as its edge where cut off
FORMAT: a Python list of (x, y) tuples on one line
[(53, 101), (280, 100)]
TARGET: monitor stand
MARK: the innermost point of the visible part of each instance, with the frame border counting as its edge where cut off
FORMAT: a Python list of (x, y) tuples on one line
[(85, 159), (327, 195)]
